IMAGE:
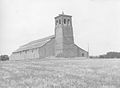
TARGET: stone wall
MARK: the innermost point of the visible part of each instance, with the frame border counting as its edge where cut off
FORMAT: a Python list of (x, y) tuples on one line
[(48, 49), (27, 54), (81, 52), (73, 51)]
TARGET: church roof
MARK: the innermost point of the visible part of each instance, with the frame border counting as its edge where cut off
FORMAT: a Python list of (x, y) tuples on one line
[(35, 44)]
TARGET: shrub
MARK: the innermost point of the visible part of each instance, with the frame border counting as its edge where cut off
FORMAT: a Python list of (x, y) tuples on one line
[(4, 57)]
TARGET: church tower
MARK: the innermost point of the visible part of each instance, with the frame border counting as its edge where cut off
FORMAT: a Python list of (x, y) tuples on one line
[(64, 40)]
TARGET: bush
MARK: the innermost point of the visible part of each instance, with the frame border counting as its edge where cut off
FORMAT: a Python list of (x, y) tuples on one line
[(4, 57)]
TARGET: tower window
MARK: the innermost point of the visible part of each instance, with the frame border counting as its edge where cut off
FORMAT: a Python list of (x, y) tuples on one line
[(64, 21), (56, 22), (59, 21), (68, 21)]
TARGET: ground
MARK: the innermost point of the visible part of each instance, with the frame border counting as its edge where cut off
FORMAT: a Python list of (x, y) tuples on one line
[(60, 73)]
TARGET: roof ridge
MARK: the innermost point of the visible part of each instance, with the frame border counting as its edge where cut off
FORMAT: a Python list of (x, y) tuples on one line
[(34, 45), (38, 40)]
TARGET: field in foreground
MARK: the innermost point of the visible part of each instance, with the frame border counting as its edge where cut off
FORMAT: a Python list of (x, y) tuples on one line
[(61, 73)]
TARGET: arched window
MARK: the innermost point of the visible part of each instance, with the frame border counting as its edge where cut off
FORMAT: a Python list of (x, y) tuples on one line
[(64, 21), (56, 22), (59, 21), (68, 21)]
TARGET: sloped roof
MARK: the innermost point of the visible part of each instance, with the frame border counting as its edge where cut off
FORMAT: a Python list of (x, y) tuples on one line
[(35, 44), (80, 48)]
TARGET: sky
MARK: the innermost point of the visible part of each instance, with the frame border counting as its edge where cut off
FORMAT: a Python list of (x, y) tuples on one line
[(95, 23)]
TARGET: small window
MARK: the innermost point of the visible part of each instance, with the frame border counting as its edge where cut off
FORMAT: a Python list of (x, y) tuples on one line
[(59, 21), (64, 21), (56, 22), (82, 54), (68, 21)]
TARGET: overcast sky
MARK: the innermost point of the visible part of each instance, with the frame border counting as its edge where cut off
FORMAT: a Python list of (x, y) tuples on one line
[(96, 22)]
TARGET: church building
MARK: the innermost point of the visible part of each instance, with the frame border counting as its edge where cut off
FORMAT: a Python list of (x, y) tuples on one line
[(59, 45)]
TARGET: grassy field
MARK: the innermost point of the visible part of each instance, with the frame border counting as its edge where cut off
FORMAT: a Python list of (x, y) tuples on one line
[(60, 73)]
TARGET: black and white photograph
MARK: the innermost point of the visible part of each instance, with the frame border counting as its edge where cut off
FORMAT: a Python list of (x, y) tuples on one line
[(59, 44)]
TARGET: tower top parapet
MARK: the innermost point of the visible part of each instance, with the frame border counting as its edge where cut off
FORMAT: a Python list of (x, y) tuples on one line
[(63, 15)]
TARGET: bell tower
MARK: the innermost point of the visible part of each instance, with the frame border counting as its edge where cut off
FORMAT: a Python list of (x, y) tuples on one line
[(63, 34)]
